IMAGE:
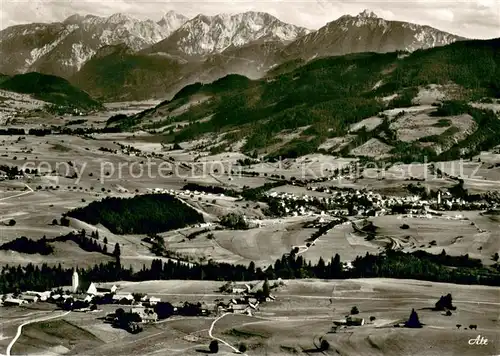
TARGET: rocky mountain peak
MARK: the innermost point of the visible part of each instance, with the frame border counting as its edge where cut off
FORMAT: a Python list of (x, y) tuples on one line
[(367, 14), (172, 20), (119, 18), (205, 35)]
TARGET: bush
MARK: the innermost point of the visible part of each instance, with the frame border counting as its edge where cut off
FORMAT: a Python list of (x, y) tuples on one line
[(354, 310), (214, 346), (242, 348), (325, 345), (372, 318), (64, 221), (54, 222), (12, 222), (404, 227), (25, 245)]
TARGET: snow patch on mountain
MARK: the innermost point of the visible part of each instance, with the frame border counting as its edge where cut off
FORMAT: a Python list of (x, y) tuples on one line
[(80, 54), (38, 52)]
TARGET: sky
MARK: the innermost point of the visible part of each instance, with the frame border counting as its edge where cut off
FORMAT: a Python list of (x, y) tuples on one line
[(468, 18)]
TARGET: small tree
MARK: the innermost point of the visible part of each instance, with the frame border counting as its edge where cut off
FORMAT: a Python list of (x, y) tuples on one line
[(325, 345), (242, 348), (413, 321), (64, 221), (372, 318), (214, 346), (495, 257), (119, 313), (54, 222), (12, 222), (265, 288), (354, 310), (116, 251), (445, 302), (105, 240)]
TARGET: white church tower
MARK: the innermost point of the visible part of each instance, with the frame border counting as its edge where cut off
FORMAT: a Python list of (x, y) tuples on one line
[(74, 284)]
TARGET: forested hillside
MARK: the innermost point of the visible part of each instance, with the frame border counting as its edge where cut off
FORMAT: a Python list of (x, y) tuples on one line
[(141, 214), (51, 89)]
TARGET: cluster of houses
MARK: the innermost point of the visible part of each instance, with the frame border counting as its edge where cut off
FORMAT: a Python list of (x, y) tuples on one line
[(26, 298), (366, 203), (79, 297), (244, 299)]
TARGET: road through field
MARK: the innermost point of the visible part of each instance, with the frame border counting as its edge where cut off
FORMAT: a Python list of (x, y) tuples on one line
[(20, 329), (20, 194)]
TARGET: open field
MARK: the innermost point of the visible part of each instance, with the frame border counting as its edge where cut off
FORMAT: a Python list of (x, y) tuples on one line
[(262, 245), (303, 312)]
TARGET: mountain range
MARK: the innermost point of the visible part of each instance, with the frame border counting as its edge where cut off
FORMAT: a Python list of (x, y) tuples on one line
[(122, 58), (62, 48)]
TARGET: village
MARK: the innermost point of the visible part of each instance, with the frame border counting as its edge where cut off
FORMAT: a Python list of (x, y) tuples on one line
[(137, 309)]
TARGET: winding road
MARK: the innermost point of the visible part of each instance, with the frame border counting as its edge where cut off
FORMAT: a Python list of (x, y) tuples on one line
[(20, 329), (20, 194), (220, 340)]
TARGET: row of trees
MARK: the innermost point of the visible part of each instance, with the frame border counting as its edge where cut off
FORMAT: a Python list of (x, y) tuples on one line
[(29, 246), (391, 264), (43, 246)]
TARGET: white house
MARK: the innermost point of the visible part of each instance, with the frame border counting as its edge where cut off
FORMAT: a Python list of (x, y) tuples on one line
[(154, 300), (42, 295), (96, 289), (118, 297), (29, 298)]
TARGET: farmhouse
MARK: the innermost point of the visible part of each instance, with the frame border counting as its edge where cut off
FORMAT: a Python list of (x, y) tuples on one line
[(147, 315), (239, 308), (14, 302), (43, 296), (29, 298), (150, 300), (123, 298), (97, 289), (352, 321), (87, 298), (239, 290)]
